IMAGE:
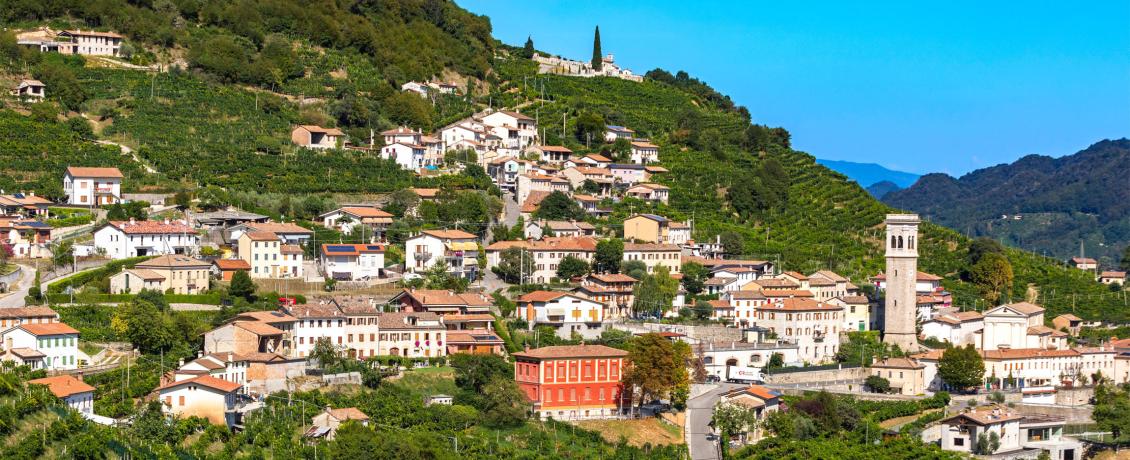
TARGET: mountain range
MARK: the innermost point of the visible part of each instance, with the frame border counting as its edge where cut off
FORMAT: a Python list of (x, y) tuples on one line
[(877, 179), (1043, 204)]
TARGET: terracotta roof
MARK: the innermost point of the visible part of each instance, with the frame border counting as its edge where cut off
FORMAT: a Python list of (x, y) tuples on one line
[(467, 317), (774, 283), (762, 392), (261, 236), (1083, 260), (959, 317), (91, 33), (26, 353), (144, 274), (63, 386), (362, 211), (83, 171), (151, 227), (291, 249), (564, 243), (319, 129), (1026, 308), (799, 305), (449, 234), (1069, 317), (899, 363), (543, 296), (788, 293), (172, 261), (830, 275), (655, 169), (720, 304), (573, 351), (533, 200), (989, 415), (314, 311), (644, 145), (281, 228), (27, 312), (855, 299), (650, 247), (554, 148), (399, 130), (598, 158), (1044, 330), (223, 386), (231, 264), (48, 329), (473, 336), (268, 316), (1112, 274), (440, 297), (1024, 353), (746, 295), (425, 192), (613, 278), (258, 328), (348, 413), (795, 275), (399, 320), (504, 245), (515, 115)]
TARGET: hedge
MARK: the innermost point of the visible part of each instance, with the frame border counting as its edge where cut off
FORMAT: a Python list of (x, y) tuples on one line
[(206, 299), (82, 279)]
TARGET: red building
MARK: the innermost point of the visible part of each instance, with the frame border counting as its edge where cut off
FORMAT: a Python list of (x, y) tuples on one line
[(573, 381)]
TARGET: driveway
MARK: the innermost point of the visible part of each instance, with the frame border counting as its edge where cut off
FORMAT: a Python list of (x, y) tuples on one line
[(700, 410)]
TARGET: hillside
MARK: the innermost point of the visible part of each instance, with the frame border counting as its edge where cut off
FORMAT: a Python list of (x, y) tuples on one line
[(1043, 204), (868, 174), (882, 188), (203, 125)]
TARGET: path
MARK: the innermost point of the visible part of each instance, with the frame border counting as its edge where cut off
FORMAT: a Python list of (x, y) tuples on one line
[(700, 410), (15, 296), (510, 209), (127, 150)]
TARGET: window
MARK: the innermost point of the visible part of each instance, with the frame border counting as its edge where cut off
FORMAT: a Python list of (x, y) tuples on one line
[(958, 441)]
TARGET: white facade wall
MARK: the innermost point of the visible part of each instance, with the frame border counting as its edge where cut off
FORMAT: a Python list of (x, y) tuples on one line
[(117, 244), (61, 350)]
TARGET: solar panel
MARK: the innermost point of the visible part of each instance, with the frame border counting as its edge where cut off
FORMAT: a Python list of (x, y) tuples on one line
[(484, 337), (339, 248), (373, 247)]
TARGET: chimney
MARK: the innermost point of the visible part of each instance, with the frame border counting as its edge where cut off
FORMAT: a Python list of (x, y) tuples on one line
[(230, 356), (132, 221), (166, 221), (527, 347), (79, 376)]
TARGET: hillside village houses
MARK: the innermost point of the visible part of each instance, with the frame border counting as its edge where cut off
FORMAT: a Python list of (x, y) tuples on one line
[(125, 239), (1084, 263), (560, 66), (49, 346), (612, 133), (650, 228), (75, 393), (1113, 277), (92, 186)]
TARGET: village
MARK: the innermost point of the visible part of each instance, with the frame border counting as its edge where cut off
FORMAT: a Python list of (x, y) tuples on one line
[(756, 331)]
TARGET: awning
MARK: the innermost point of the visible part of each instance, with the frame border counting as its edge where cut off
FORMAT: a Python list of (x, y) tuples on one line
[(462, 246)]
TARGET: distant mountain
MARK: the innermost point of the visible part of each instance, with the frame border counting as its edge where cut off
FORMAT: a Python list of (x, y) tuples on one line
[(882, 188), (868, 174), (1047, 205)]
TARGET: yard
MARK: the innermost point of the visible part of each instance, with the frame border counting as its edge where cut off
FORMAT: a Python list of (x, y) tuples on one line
[(638, 432)]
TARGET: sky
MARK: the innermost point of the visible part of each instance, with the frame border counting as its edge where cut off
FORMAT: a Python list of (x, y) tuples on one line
[(938, 86)]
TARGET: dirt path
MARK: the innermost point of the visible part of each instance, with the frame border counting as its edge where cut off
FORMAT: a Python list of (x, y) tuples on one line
[(898, 422), (127, 150)]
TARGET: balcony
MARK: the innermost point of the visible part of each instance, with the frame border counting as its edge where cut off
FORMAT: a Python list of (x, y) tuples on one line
[(424, 256)]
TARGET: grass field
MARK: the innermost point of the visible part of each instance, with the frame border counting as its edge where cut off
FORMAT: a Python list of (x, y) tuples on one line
[(429, 381), (638, 432)]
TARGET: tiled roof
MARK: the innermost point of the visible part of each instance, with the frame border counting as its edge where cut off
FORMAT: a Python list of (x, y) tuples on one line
[(362, 211), (348, 413), (899, 363), (223, 386), (473, 336), (399, 320), (149, 227), (1044, 330), (720, 304), (232, 264), (314, 311), (270, 317), (983, 416), (795, 275), (788, 293), (27, 312), (504, 245), (613, 278), (449, 234), (91, 33), (467, 317), (1083, 260), (63, 386), (650, 247), (144, 274), (542, 296), (425, 192), (533, 200), (775, 283), (258, 328), (830, 275), (799, 305), (319, 129), (644, 145), (261, 236), (172, 261), (573, 351), (48, 329), (855, 299), (281, 228), (82, 171), (291, 249), (598, 158), (440, 297), (746, 295), (1026, 308), (564, 243), (1112, 274), (1069, 317), (554, 148)]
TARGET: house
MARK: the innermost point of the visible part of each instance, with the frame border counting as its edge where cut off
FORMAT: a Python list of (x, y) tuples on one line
[(412, 334), (655, 255), (314, 322), (125, 239), (531, 182), (288, 233), (1035, 369), (75, 393), (456, 250), (442, 302), (226, 268), (650, 228), (25, 204), (226, 219), (408, 156), (504, 170), (402, 134), (616, 291), (92, 186), (756, 349), (1084, 263), (253, 333), (317, 137), (552, 153), (907, 376), (1113, 277), (649, 192), (49, 346), (857, 311), (440, 399), (15, 316), (169, 273), (206, 397), (566, 313), (537, 229), (594, 160), (478, 342), (762, 401), (325, 424), (549, 252), (369, 219), (591, 205), (1068, 323), (958, 328), (269, 256), (516, 130), (352, 262), (813, 326), (613, 132), (579, 174), (644, 152), (30, 90), (628, 173), (228, 366), (416, 87), (26, 238), (91, 43), (961, 431), (573, 382)]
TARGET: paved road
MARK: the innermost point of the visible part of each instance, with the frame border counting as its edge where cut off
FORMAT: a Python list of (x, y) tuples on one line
[(15, 296), (699, 412), (510, 209)]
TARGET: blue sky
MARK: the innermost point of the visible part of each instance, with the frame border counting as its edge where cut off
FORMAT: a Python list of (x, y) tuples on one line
[(918, 86)]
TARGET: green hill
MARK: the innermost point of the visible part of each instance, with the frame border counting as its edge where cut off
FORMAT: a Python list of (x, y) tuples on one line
[(211, 125)]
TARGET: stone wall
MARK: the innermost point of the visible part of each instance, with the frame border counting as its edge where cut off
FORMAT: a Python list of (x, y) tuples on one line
[(694, 333), (827, 376), (1073, 414)]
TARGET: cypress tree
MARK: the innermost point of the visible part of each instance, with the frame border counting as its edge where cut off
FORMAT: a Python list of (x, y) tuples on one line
[(529, 49), (597, 62)]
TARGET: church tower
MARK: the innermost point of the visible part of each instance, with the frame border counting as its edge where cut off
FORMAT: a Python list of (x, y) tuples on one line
[(900, 298)]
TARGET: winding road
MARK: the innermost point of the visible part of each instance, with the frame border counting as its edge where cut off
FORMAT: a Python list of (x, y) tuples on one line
[(700, 410)]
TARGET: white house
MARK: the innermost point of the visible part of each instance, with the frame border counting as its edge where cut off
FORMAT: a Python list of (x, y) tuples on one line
[(455, 249), (644, 152), (270, 256), (567, 313), (516, 130), (314, 322), (316, 137), (205, 396), (326, 423), (401, 134), (552, 153), (960, 328), (92, 186), (124, 239), (75, 393), (352, 262), (408, 156), (228, 367), (649, 192), (960, 432), (813, 326), (31, 90), (415, 87), (345, 219), (613, 132), (50, 346), (91, 43)]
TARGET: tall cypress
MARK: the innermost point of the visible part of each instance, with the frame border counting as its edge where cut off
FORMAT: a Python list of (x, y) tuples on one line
[(529, 48), (597, 61)]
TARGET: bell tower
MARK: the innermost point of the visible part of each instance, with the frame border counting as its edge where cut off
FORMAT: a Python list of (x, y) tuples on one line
[(900, 298)]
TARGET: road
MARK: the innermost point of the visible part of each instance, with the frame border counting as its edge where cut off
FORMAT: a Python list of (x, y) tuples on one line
[(699, 412), (15, 296), (510, 209)]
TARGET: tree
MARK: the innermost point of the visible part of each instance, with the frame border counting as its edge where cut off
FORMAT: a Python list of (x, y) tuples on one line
[(733, 243), (241, 285), (45, 112), (878, 384), (116, 213), (5, 254), (776, 360), (182, 200), (325, 353), (514, 265), (504, 404), (694, 277), (146, 327), (733, 419), (635, 268), (473, 372), (572, 267), (528, 50), (993, 275), (987, 444), (437, 277), (961, 367), (1112, 409), (559, 206), (597, 55), (63, 254), (655, 368), (979, 247), (589, 127), (62, 84), (590, 187), (81, 127), (609, 255), (703, 309), (1125, 263)]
